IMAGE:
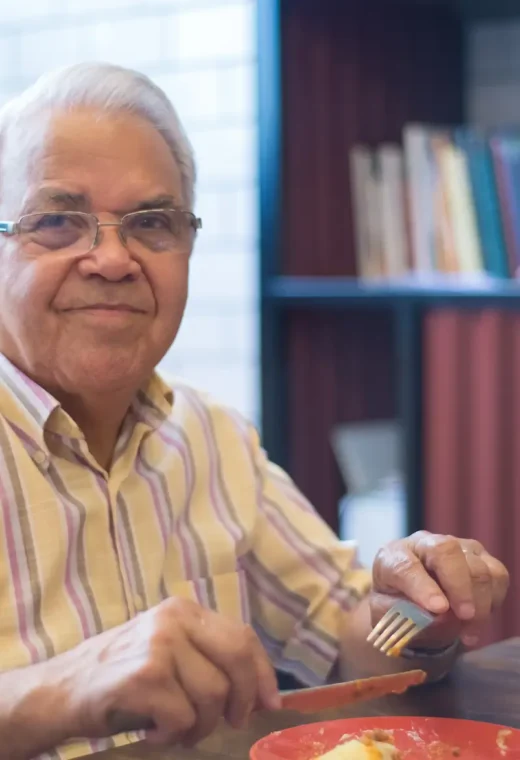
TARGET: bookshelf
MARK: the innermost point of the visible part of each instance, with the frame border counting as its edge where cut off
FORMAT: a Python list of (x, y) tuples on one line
[(335, 349)]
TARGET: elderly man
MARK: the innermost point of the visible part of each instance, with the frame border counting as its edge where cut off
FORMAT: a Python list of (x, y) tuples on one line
[(155, 566)]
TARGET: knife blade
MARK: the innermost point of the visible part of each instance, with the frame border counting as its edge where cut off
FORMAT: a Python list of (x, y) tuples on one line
[(351, 692), (306, 700)]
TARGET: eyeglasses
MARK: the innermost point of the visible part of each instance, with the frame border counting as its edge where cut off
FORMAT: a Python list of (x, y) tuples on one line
[(155, 230)]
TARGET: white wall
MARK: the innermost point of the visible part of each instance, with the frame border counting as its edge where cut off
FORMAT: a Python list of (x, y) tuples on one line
[(494, 74), (202, 52)]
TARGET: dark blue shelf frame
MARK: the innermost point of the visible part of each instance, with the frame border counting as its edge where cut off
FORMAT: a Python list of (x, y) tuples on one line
[(339, 292), (272, 338)]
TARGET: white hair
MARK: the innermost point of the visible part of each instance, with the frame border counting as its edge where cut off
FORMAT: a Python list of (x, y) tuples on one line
[(99, 85)]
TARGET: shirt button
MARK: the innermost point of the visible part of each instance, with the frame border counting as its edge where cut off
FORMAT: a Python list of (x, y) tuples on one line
[(139, 603), (39, 457)]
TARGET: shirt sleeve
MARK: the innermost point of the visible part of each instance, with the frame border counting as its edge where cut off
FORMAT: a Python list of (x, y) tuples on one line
[(301, 577)]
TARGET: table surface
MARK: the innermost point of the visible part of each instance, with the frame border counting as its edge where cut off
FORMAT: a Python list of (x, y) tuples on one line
[(484, 685)]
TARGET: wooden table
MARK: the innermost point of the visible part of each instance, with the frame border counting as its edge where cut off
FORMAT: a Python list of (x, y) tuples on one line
[(485, 685)]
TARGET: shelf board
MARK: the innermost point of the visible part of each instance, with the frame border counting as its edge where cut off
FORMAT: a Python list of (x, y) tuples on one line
[(347, 293), (475, 10)]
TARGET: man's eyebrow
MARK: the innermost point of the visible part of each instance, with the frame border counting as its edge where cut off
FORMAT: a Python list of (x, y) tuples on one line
[(58, 198), (64, 199), (160, 201)]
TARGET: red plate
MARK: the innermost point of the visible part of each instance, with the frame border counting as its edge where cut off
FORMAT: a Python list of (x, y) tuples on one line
[(418, 738)]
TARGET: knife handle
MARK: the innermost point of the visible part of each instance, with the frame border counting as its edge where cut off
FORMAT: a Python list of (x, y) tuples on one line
[(121, 722)]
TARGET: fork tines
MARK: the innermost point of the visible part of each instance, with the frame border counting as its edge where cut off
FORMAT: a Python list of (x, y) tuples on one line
[(398, 627)]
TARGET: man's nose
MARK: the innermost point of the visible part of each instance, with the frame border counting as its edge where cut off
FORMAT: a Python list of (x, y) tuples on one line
[(110, 257)]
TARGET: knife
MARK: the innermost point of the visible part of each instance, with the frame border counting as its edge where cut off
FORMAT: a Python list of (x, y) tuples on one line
[(306, 700), (350, 692)]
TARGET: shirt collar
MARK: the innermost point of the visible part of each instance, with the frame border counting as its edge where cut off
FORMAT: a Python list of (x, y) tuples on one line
[(25, 405), (32, 411), (153, 402)]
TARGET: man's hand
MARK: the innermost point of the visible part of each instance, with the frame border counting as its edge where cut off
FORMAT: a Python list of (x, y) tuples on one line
[(456, 579), (178, 665)]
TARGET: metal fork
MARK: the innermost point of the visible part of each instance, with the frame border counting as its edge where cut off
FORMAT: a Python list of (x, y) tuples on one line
[(398, 627)]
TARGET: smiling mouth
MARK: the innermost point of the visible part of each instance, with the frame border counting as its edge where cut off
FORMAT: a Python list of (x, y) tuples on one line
[(118, 308)]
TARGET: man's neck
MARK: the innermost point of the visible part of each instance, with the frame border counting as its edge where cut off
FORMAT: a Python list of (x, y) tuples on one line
[(100, 420), (99, 415)]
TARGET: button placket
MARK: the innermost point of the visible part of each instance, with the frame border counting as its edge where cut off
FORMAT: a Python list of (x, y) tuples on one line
[(134, 601)]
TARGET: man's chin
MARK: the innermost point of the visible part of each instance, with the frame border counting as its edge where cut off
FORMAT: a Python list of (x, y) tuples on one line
[(107, 372)]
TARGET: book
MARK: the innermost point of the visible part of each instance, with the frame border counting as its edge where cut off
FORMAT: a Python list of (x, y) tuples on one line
[(446, 200), (366, 213), (477, 148), (394, 237)]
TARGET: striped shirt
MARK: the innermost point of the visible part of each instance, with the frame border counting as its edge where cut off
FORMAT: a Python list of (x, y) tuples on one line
[(191, 507)]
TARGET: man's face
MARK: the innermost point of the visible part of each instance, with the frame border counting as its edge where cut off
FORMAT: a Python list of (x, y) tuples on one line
[(53, 324)]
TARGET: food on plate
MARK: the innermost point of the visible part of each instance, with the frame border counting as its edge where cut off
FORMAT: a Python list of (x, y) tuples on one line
[(441, 750), (379, 745), (373, 745), (502, 739)]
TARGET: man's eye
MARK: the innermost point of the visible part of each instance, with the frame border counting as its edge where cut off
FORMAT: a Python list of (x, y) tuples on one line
[(52, 221), (155, 222)]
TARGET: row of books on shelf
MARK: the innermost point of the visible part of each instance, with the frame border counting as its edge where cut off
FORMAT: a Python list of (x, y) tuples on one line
[(444, 201)]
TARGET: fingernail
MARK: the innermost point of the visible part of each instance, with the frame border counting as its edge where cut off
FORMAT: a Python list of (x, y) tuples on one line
[(438, 603), (470, 641), (274, 701), (467, 611)]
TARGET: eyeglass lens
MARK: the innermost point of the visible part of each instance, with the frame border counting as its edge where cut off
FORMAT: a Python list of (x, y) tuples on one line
[(156, 230)]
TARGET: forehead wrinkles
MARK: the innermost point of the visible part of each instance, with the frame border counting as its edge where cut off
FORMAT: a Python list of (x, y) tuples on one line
[(24, 162)]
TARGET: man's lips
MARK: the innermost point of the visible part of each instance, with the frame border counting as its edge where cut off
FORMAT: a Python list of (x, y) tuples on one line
[(118, 307)]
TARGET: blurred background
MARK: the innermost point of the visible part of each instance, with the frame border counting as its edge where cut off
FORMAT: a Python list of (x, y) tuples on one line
[(390, 251), (354, 288)]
